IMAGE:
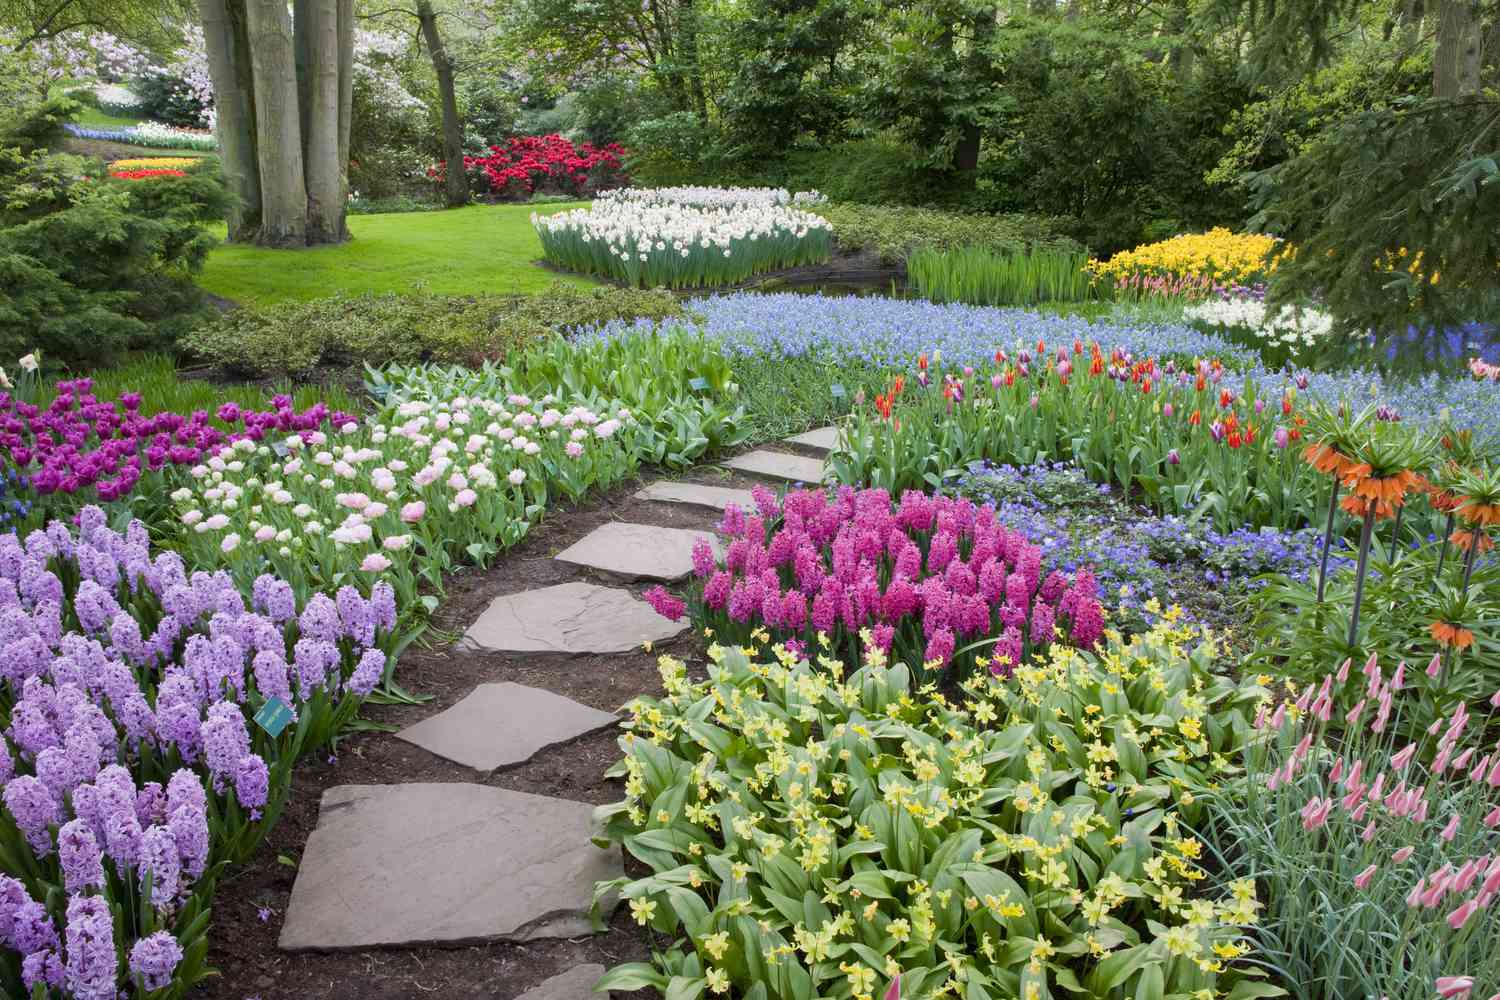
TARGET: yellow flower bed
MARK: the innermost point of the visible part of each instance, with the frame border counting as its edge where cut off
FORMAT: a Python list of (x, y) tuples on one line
[(1218, 254), (156, 163)]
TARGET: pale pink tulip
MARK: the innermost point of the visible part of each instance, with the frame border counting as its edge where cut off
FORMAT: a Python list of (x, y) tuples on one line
[(1362, 880), (1453, 987), (1401, 855)]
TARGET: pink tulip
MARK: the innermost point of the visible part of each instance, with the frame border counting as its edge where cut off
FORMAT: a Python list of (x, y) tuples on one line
[(1403, 758), (1358, 815), (1451, 830), (1401, 855), (1435, 666), (1461, 916), (1399, 677), (1368, 833), (1343, 674), (412, 512), (1461, 762), (1453, 987), (1494, 779), (1354, 773), (1492, 818), (1495, 699), (1352, 716), (1337, 771), (1362, 880)]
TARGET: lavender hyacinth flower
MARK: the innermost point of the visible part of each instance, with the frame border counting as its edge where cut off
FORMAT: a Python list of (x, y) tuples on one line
[(187, 806), (34, 808), (320, 620), (154, 960), (12, 896), (92, 966), (383, 601), (225, 740), (274, 598), (367, 673), (252, 782), (43, 967), (160, 862), (357, 615), (78, 852), (32, 928)]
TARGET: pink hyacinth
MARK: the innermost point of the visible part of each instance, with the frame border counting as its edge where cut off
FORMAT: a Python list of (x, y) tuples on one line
[(669, 607)]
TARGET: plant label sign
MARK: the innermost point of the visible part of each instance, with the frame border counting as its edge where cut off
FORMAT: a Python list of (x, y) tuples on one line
[(274, 716), (837, 390), (698, 384)]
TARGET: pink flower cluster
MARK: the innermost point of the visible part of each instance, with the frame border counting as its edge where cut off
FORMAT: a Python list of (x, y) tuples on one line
[(1483, 370), (923, 575), (79, 441), (1448, 806), (546, 163)]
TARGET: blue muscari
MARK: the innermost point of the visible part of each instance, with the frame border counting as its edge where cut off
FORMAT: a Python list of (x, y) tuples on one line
[(889, 333)]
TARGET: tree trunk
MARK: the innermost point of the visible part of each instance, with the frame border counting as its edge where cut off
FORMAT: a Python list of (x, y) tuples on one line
[(1456, 60), (346, 81), (456, 178), (278, 131), (229, 67), (317, 34)]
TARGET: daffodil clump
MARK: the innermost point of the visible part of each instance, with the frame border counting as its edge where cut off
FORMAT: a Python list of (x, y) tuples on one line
[(812, 835), (1221, 256)]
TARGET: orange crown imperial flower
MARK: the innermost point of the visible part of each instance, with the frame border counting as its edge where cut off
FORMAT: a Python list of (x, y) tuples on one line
[(1464, 540), (1452, 635)]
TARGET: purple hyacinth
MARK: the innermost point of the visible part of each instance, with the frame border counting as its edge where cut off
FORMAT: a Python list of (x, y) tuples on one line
[(80, 857), (43, 967), (274, 598), (35, 809), (32, 928), (320, 620), (154, 959), (225, 740), (252, 782), (367, 673), (160, 862), (91, 967)]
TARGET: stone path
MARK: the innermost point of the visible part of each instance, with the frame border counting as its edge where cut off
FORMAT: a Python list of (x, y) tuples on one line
[(459, 863), (637, 551), (780, 465), (575, 984), (568, 618), (696, 495), (502, 725), (444, 864), (821, 440)]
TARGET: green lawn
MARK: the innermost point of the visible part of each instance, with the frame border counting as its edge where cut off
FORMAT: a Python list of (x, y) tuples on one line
[(480, 248), (94, 118)]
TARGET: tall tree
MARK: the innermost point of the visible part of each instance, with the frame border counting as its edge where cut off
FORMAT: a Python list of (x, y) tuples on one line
[(455, 179), (283, 86)]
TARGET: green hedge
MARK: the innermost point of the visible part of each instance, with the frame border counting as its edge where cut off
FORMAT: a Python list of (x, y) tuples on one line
[(380, 329), (895, 232)]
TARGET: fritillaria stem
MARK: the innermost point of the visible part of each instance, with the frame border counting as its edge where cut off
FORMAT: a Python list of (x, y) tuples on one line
[(1333, 506), (1359, 574), (1443, 553)]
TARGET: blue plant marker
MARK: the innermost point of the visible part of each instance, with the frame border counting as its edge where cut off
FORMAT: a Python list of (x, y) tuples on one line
[(837, 390), (697, 384), (274, 716)]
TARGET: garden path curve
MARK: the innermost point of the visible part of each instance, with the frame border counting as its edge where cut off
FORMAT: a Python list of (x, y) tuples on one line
[(451, 863)]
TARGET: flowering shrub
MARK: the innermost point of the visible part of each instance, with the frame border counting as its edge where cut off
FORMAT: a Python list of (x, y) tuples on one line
[(923, 577), (1390, 840), (1195, 262), (152, 134), (683, 238), (812, 835), (130, 767), (78, 445), (543, 164)]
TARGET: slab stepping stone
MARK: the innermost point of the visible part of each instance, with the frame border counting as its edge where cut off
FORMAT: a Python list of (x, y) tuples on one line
[(823, 439), (696, 495), (575, 984), (637, 551), (446, 864), (779, 465), (575, 618), (501, 725)]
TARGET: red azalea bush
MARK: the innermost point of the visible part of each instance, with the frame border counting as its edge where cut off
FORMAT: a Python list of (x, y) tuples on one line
[(923, 576), (543, 164)]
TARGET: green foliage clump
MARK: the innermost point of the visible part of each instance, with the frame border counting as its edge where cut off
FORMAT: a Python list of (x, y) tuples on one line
[(811, 835), (382, 329), (93, 266), (982, 277), (894, 232)]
